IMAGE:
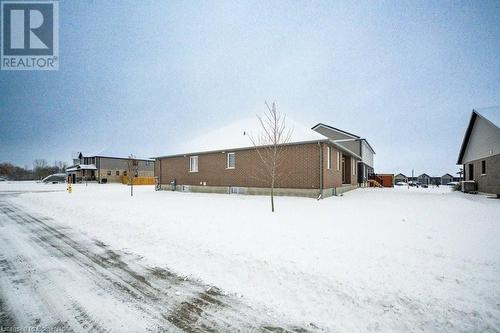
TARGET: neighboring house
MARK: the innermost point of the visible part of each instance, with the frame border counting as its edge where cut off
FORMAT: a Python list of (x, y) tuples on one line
[(424, 179), (480, 151), (400, 178), (435, 181), (106, 169), (446, 178), (314, 164)]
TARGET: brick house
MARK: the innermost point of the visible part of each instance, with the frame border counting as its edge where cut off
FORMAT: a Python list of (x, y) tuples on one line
[(320, 163), (480, 151), (106, 169)]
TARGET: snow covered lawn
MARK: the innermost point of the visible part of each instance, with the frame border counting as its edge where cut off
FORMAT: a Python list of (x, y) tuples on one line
[(375, 259)]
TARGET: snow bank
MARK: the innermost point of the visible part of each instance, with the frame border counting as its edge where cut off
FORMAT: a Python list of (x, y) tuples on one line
[(30, 186), (375, 259)]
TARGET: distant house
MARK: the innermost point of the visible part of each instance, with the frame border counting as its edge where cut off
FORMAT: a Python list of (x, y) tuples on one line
[(400, 178), (106, 169), (480, 151), (318, 161), (435, 181), (447, 178), (424, 179)]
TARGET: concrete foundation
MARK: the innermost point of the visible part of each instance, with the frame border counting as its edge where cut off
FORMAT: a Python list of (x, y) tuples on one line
[(293, 192), (345, 188)]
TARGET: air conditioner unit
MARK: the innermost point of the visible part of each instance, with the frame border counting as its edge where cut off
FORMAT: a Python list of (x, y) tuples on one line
[(469, 186)]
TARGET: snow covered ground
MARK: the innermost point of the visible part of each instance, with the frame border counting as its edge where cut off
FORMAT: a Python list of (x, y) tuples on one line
[(373, 260)]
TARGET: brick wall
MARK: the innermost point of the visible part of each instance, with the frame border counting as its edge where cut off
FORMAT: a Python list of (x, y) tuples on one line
[(300, 165), (332, 177)]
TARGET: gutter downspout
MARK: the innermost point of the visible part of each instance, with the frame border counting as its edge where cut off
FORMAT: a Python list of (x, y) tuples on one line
[(159, 175), (320, 171)]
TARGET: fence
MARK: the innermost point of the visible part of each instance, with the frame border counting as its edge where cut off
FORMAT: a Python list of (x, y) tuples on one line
[(139, 180)]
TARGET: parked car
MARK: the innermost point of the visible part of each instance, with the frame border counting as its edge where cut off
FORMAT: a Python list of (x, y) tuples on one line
[(401, 184), (424, 186), (3, 179), (55, 178)]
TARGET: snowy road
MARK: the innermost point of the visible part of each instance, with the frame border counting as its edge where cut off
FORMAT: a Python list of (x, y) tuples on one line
[(54, 278)]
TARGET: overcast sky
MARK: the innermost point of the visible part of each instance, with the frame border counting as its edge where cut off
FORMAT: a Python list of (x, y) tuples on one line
[(141, 76)]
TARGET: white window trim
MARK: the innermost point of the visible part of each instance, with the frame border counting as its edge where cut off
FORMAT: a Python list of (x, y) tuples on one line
[(338, 161), (329, 157), (191, 158), (227, 161), (354, 167)]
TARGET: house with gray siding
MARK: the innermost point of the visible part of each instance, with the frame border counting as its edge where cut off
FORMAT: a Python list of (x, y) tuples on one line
[(480, 151), (107, 169), (424, 179), (446, 178), (400, 178)]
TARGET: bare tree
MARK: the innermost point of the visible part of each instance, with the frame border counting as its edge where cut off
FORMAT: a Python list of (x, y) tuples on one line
[(132, 167), (40, 166), (60, 166), (270, 144), (40, 163)]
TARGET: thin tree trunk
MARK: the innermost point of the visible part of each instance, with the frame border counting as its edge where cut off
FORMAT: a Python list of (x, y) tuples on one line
[(272, 198)]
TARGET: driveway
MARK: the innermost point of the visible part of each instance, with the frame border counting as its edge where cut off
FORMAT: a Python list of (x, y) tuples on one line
[(53, 278)]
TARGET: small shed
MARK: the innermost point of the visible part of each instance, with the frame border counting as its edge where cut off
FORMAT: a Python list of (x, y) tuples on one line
[(385, 179)]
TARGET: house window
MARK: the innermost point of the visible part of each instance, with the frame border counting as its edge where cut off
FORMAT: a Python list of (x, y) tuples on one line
[(109, 172), (329, 157), (125, 172), (338, 161), (117, 172), (483, 167), (231, 160), (193, 164)]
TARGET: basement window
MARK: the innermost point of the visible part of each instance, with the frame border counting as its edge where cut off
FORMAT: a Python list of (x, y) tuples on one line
[(109, 172), (117, 172), (483, 167), (193, 163), (231, 160)]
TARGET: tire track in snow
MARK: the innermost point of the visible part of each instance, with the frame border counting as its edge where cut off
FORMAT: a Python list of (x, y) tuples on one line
[(164, 299)]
